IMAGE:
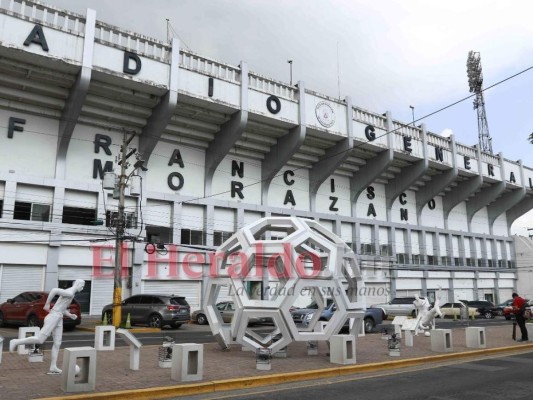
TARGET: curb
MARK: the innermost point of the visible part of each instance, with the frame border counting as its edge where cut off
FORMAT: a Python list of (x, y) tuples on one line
[(274, 379)]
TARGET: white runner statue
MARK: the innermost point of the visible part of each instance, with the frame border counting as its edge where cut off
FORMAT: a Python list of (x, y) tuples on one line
[(53, 322)]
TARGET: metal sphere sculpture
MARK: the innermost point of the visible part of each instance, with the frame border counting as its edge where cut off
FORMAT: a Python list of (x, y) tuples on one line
[(288, 257)]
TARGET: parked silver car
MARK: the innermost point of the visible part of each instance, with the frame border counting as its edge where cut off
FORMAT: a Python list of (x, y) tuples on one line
[(226, 310), (154, 310), (398, 306)]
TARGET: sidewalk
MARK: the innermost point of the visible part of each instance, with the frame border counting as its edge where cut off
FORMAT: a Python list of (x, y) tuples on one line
[(20, 379)]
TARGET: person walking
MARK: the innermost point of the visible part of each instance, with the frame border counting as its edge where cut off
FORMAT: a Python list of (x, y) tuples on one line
[(519, 305), (53, 322)]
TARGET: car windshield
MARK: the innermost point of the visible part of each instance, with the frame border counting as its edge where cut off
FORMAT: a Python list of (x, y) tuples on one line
[(179, 301)]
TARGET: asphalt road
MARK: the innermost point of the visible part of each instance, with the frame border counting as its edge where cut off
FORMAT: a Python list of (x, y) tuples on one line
[(501, 378)]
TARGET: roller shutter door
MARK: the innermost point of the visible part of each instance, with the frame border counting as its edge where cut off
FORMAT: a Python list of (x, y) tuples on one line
[(191, 290), (17, 279)]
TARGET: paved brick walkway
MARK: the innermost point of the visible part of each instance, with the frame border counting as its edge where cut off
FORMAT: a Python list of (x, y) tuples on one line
[(20, 379)]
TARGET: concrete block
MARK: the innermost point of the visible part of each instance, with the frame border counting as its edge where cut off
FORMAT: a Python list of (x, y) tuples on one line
[(85, 359), (408, 338), (135, 347), (24, 332), (35, 353), (187, 362), (397, 322), (342, 349), (312, 348), (441, 340), (104, 338), (529, 327), (263, 359), (476, 338)]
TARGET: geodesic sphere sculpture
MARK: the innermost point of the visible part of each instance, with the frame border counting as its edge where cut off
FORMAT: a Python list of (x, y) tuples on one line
[(270, 264)]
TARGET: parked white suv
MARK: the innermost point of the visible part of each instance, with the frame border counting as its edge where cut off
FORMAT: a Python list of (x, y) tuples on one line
[(398, 306)]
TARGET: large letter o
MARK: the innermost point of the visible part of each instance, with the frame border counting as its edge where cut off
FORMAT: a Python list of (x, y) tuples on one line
[(276, 108)]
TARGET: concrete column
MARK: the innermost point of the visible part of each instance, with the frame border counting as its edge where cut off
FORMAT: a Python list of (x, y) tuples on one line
[(209, 224)]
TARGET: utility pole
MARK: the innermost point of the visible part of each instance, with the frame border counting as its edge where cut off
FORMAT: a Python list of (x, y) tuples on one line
[(120, 226), (290, 68)]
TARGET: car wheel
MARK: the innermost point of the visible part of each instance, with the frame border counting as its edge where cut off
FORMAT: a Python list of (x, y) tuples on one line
[(369, 324), (155, 321), (201, 319), (1, 319), (32, 320), (177, 325), (499, 312), (487, 315), (107, 316), (413, 314), (507, 317)]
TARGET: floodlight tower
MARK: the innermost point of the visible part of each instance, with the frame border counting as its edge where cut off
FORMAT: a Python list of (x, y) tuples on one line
[(475, 81)]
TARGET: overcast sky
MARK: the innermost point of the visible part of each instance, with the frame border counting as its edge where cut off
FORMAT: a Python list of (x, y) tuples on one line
[(386, 55)]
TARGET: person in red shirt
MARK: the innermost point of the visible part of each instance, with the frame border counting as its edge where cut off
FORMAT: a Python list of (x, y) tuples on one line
[(518, 309)]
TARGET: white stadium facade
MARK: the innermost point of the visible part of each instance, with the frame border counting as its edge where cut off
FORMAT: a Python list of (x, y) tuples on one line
[(224, 146)]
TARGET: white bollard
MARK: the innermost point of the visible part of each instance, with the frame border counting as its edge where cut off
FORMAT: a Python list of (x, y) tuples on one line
[(187, 362), (408, 338), (475, 338), (85, 359), (104, 338), (529, 327), (441, 340), (342, 349), (24, 332), (312, 348)]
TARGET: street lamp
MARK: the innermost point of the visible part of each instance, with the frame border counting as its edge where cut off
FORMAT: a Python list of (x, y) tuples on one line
[(413, 112), (290, 68)]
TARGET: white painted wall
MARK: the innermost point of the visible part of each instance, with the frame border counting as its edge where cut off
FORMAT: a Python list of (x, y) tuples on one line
[(342, 193), (410, 206), (457, 218), (19, 153), (192, 171), (480, 221), (197, 85), (252, 174), (379, 202), (81, 153), (300, 190), (435, 217), (112, 59), (257, 103), (61, 45)]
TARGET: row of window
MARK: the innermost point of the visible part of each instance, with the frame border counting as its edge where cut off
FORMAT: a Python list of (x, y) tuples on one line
[(155, 234), (418, 259)]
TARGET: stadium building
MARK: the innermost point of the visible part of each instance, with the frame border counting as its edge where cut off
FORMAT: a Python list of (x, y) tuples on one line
[(224, 146)]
